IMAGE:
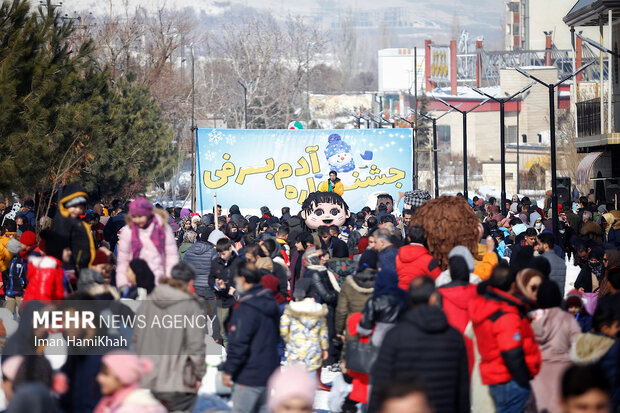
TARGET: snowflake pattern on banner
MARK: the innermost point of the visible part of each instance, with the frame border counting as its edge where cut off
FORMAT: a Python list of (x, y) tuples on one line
[(231, 140), (215, 136), (209, 155)]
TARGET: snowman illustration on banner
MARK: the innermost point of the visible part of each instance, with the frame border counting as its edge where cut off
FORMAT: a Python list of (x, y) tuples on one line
[(340, 158)]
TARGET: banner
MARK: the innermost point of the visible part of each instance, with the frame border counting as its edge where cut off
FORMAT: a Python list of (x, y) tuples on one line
[(280, 167)]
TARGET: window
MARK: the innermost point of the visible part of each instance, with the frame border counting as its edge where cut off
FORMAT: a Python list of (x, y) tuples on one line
[(513, 6), (443, 138), (515, 29), (511, 134)]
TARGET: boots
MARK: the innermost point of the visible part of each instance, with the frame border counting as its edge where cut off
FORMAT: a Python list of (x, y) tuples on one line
[(321, 386)]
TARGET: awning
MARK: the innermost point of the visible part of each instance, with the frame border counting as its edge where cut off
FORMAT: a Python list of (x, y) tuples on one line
[(584, 170)]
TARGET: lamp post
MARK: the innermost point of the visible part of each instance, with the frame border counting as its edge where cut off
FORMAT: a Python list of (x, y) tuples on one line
[(464, 113), (412, 125), (245, 101), (194, 133), (502, 135), (434, 120), (554, 185)]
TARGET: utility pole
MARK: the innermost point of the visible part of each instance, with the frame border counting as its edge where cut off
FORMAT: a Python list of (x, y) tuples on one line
[(194, 133)]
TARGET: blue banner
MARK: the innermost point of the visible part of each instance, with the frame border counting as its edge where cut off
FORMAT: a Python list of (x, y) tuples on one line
[(280, 167)]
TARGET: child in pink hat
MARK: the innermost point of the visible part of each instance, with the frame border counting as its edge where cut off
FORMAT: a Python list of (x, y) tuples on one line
[(283, 397), (119, 379)]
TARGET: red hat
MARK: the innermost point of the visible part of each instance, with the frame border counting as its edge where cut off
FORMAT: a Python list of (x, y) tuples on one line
[(100, 257), (28, 238)]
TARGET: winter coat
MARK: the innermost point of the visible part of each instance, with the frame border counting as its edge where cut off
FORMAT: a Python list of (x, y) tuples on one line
[(224, 270), (130, 399), (555, 331), (77, 236), (584, 279), (112, 228), (303, 327), (414, 261), (612, 239), (178, 354), (456, 297), (558, 269), (387, 258), (424, 346), (148, 252), (505, 339), (594, 348), (380, 314), (592, 230), (338, 187), (253, 338), (30, 216), (337, 247), (183, 249), (46, 279), (323, 286), (200, 256), (14, 278), (355, 292), (5, 255)]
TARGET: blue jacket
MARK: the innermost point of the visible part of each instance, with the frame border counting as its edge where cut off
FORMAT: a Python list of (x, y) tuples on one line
[(387, 258), (253, 338), (110, 231), (30, 216), (200, 256), (14, 278)]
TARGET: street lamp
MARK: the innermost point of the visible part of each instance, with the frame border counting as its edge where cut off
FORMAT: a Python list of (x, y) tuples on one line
[(434, 120), (194, 132), (554, 185), (415, 154), (502, 135), (245, 100), (464, 113)]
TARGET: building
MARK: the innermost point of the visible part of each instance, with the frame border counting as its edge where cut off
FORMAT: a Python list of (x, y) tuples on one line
[(528, 20), (598, 126)]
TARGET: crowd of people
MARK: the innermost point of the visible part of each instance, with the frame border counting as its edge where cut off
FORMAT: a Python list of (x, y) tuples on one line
[(449, 305)]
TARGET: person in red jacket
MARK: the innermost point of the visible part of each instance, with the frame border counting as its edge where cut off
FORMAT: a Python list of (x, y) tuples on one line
[(456, 297), (509, 353), (46, 276), (414, 260)]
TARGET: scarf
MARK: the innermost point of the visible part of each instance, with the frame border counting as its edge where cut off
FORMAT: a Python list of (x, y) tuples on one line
[(597, 270), (158, 237)]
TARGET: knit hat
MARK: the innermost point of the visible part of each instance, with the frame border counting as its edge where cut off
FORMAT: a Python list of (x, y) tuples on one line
[(141, 207), (548, 295), (11, 366), (28, 238), (416, 198), (281, 390), (184, 213), (14, 246), (270, 282), (100, 257), (368, 259), (128, 367), (573, 299), (462, 251)]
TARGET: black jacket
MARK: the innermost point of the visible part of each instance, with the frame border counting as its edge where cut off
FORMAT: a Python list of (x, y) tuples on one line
[(224, 270), (322, 289), (584, 279), (337, 247), (111, 228), (200, 256), (383, 309), (253, 338), (422, 345)]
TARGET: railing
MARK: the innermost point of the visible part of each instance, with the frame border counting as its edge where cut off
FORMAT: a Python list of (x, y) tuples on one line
[(589, 117)]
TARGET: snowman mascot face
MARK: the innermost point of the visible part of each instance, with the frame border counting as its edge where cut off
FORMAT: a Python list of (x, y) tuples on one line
[(324, 208), (338, 154)]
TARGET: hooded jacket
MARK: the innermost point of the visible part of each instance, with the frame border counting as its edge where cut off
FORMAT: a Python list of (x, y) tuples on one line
[(611, 236), (224, 270), (338, 187), (354, 293), (456, 297), (253, 338), (200, 256), (414, 261), (148, 252), (423, 345), (178, 354), (558, 269), (303, 327), (322, 288), (506, 342), (74, 233)]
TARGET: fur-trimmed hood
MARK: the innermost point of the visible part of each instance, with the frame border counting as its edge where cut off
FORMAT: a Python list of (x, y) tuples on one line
[(305, 308), (590, 348), (363, 282)]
